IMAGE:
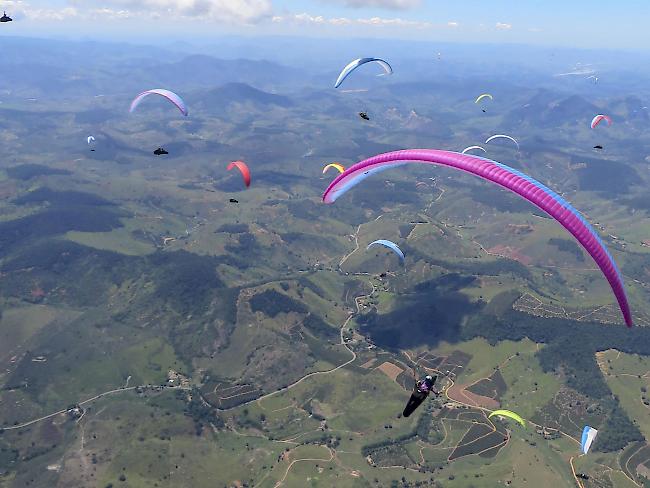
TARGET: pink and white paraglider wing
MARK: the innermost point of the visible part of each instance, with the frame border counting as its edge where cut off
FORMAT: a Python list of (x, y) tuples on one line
[(169, 95)]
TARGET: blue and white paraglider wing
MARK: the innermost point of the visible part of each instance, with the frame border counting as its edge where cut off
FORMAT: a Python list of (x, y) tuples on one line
[(352, 65), (390, 245), (588, 436)]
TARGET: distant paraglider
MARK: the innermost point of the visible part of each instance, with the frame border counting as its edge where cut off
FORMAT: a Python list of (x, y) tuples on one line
[(360, 62), (508, 414), (243, 169), (90, 141), (502, 136), (364, 115), (509, 178), (160, 151), (598, 146), (5, 17), (169, 95), (481, 97), (339, 167), (484, 95), (588, 436), (471, 148), (390, 245), (599, 118)]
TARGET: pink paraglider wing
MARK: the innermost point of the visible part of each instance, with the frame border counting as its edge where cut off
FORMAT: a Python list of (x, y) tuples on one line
[(509, 178)]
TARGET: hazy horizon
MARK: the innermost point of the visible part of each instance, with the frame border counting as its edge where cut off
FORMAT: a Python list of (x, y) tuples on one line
[(553, 23)]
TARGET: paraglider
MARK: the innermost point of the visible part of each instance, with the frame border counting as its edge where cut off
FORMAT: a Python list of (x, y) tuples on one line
[(598, 146), (5, 17), (243, 169), (484, 95), (471, 148), (90, 140), (359, 62), (509, 178), (421, 391), (169, 95), (502, 136), (233, 200), (509, 414), (481, 97), (390, 245), (588, 436), (364, 115), (599, 118), (339, 167), (160, 151)]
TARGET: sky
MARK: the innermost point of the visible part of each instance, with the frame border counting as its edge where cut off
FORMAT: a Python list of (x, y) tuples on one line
[(563, 23)]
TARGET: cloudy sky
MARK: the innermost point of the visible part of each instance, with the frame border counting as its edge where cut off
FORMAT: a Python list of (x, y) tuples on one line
[(573, 23)]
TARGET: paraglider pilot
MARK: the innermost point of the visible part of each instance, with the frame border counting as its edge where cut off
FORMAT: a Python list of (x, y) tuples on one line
[(421, 391)]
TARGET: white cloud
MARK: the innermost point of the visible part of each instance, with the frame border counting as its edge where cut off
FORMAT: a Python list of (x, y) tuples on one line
[(49, 14), (390, 4), (452, 24), (397, 22), (239, 11), (502, 26), (305, 18), (340, 21)]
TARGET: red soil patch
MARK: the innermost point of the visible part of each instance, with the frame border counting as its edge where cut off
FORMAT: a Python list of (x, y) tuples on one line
[(511, 253), (460, 394)]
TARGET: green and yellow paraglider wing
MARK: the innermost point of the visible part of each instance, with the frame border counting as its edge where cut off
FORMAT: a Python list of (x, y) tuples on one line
[(509, 414)]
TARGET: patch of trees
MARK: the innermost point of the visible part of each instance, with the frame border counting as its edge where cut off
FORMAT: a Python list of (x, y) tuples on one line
[(8, 457), (304, 282), (61, 198), (477, 268), (636, 265), (319, 327), (638, 202), (29, 171), (233, 228), (617, 432), (271, 303), (202, 413), (571, 347), (566, 245), (85, 273), (502, 201), (185, 280), (56, 221), (372, 194), (405, 230), (369, 449), (312, 211), (247, 245), (612, 178)]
